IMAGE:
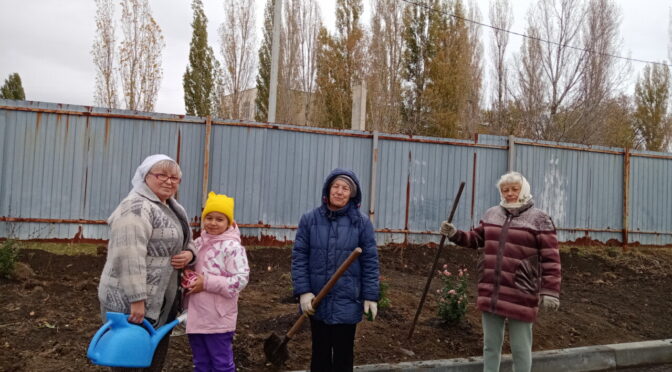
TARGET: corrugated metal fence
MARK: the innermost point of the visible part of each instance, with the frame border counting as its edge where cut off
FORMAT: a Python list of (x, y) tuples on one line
[(64, 168)]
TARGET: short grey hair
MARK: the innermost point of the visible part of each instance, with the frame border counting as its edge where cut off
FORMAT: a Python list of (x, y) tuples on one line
[(167, 165), (510, 177)]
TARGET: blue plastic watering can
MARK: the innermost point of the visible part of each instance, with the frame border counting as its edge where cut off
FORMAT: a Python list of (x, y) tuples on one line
[(119, 343)]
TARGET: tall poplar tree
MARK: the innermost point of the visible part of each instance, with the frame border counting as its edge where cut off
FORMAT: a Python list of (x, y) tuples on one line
[(264, 74), (452, 93), (418, 50), (140, 55), (103, 53), (652, 95), (199, 79), (384, 68), (339, 65)]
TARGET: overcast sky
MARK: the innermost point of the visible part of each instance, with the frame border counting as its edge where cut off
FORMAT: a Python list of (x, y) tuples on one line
[(49, 42)]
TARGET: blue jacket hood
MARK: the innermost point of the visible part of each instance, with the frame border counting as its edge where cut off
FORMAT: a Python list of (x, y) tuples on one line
[(356, 200)]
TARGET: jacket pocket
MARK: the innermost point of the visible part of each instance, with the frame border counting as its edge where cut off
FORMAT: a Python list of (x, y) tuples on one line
[(225, 306), (527, 275)]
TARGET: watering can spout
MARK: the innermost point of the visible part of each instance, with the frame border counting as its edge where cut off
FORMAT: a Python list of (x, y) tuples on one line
[(161, 332)]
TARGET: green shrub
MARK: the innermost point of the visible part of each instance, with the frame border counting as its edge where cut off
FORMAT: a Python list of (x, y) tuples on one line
[(453, 297), (9, 253), (384, 301)]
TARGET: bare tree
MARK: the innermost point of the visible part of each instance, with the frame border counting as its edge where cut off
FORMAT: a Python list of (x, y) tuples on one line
[(309, 23), (530, 103), (105, 92), (385, 67), (577, 78), (238, 46), (559, 21), (298, 55), (501, 18), (140, 55), (602, 75)]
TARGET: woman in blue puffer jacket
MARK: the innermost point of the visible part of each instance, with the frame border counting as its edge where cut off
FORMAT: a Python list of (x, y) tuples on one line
[(325, 238)]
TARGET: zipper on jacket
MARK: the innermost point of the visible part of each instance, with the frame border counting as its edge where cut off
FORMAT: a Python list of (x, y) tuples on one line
[(498, 265)]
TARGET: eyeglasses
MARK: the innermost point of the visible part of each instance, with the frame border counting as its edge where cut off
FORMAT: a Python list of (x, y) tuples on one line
[(164, 177)]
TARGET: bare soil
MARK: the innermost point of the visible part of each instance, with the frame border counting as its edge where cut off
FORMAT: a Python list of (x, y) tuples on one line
[(608, 296)]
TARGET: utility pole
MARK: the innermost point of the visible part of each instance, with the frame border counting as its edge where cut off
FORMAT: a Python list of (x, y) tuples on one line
[(275, 56)]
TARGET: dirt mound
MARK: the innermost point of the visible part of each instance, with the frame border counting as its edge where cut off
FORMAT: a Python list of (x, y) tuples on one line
[(607, 297)]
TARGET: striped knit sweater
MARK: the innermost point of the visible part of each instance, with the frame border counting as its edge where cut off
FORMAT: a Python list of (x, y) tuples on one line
[(519, 260), (145, 234)]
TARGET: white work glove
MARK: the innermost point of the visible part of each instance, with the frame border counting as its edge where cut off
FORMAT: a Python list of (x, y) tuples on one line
[(549, 303), (306, 300), (448, 229), (371, 306)]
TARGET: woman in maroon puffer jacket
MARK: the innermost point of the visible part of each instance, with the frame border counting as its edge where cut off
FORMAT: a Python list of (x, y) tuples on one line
[(518, 270)]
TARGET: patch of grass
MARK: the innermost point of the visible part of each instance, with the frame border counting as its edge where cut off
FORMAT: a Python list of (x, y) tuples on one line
[(69, 249)]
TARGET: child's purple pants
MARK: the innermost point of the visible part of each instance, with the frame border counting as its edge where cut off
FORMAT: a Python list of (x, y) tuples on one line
[(212, 352)]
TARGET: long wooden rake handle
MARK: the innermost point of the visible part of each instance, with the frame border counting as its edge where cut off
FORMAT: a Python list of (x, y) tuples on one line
[(323, 292), (436, 262)]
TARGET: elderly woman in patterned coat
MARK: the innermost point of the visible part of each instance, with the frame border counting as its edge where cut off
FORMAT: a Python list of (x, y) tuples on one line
[(150, 240), (518, 270)]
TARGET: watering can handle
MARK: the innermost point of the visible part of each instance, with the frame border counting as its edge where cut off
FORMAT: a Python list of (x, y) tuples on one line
[(91, 353), (148, 326)]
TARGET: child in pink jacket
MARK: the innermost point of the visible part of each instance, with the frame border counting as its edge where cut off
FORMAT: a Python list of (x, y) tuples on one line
[(221, 271)]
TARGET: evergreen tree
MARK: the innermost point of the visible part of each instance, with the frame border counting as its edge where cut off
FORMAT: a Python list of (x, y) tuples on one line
[(12, 89), (198, 80), (264, 75)]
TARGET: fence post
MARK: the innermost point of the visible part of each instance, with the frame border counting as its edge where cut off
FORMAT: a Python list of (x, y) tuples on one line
[(206, 160), (374, 178), (512, 154), (626, 194)]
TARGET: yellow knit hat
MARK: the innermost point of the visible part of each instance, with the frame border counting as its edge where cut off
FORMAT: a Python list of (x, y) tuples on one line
[(219, 203)]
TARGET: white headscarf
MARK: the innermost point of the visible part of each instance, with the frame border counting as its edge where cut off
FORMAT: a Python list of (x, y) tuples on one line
[(524, 196), (143, 169)]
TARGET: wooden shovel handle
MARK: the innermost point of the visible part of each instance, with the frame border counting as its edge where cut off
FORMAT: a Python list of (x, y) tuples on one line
[(327, 287), (436, 261)]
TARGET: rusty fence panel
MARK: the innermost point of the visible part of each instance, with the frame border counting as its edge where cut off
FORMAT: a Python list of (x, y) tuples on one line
[(64, 168)]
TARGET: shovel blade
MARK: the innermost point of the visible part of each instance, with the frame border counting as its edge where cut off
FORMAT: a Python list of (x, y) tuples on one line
[(275, 349)]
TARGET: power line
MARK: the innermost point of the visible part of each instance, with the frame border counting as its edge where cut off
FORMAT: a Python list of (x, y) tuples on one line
[(533, 37)]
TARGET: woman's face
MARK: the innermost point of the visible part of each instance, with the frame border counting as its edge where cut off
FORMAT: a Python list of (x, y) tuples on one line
[(215, 223), (163, 181), (510, 191), (339, 194)]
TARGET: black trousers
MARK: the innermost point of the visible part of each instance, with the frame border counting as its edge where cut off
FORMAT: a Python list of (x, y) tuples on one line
[(333, 346)]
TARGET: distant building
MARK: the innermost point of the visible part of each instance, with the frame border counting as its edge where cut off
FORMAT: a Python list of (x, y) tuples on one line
[(292, 108)]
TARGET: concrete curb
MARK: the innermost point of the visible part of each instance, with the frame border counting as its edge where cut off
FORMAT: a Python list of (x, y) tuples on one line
[(580, 359)]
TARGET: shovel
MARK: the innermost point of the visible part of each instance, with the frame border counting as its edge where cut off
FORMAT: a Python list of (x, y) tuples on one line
[(436, 261), (275, 348)]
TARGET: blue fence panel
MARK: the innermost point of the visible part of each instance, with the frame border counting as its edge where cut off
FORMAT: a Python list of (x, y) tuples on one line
[(64, 168)]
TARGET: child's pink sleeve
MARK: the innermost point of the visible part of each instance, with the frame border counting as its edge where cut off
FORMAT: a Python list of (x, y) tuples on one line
[(228, 271)]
